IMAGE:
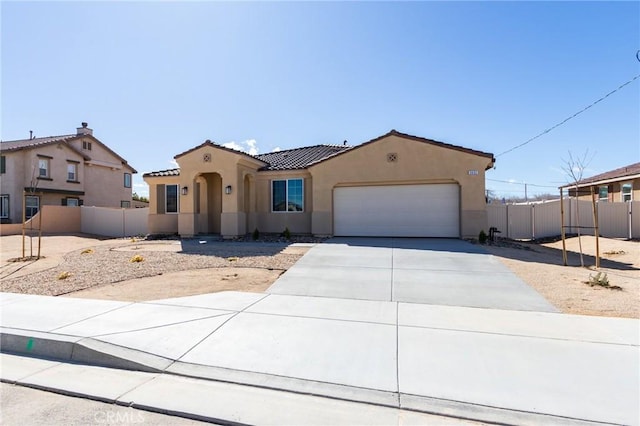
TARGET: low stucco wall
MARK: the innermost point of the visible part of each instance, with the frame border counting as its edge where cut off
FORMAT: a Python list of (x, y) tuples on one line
[(108, 222), (11, 229), (55, 220), (163, 223)]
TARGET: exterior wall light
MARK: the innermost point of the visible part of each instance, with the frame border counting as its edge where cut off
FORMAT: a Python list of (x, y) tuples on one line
[(227, 189), (185, 190)]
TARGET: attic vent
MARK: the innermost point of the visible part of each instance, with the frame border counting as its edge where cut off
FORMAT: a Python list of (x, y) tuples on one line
[(392, 157)]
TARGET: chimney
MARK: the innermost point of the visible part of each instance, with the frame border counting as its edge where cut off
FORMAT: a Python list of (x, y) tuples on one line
[(84, 130)]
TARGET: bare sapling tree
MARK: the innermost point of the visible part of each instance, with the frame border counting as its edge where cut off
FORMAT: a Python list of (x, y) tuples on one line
[(31, 191), (574, 167)]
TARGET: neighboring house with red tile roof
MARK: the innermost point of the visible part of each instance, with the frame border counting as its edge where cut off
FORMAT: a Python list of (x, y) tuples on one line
[(69, 170), (618, 185), (393, 185)]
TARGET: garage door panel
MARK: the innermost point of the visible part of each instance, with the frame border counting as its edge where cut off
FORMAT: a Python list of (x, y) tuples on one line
[(397, 210)]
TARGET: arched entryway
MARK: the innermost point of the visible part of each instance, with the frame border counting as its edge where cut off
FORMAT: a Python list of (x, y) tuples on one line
[(208, 203)]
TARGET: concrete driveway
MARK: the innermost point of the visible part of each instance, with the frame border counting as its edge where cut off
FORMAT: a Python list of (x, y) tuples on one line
[(416, 270)]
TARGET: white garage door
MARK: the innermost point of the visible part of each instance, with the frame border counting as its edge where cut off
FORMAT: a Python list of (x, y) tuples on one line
[(397, 211)]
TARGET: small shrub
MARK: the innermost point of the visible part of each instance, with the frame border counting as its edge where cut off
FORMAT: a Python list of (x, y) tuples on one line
[(286, 233), (87, 251), (482, 237), (601, 279), (136, 259), (256, 234), (64, 275)]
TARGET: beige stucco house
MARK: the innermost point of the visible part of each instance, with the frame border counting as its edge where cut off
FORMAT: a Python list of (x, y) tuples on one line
[(393, 185), (616, 186), (68, 170)]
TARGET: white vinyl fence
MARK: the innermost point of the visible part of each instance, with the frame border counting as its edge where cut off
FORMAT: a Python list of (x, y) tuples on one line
[(113, 222), (531, 221)]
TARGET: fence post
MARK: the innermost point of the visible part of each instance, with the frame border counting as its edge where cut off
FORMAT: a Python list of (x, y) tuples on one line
[(630, 221), (533, 221), (595, 225), (508, 223), (562, 229)]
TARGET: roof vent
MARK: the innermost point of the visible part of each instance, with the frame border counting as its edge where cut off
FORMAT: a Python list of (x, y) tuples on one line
[(344, 143), (84, 130)]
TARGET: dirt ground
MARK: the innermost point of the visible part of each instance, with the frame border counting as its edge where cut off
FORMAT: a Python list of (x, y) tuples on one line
[(541, 266), (184, 283)]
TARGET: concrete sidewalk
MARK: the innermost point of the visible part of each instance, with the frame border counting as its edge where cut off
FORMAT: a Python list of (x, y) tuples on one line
[(435, 271), (500, 366)]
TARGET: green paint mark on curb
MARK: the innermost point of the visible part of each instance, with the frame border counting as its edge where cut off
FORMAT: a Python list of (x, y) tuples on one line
[(30, 344)]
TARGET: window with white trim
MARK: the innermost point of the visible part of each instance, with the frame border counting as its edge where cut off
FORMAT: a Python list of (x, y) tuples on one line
[(626, 191), (125, 204), (32, 205), (72, 172), (127, 180), (43, 167), (73, 202), (603, 193), (4, 206), (171, 198), (287, 195)]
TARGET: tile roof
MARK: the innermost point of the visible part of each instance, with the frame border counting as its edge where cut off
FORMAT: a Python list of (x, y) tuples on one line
[(20, 144), (612, 175), (31, 143), (170, 172), (300, 158)]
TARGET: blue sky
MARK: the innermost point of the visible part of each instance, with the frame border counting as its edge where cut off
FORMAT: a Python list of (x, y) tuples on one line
[(154, 79)]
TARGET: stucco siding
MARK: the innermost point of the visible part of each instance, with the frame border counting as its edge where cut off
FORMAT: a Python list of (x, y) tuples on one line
[(104, 187), (58, 157), (276, 222), (614, 188), (12, 185), (415, 163)]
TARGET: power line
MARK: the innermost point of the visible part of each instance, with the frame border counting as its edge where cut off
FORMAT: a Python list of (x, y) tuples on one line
[(573, 116), (522, 183)]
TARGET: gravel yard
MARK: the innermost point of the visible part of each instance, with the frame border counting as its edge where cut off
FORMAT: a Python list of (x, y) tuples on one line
[(104, 264)]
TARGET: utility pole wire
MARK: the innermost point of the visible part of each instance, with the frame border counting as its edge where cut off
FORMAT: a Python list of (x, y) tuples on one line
[(574, 115)]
